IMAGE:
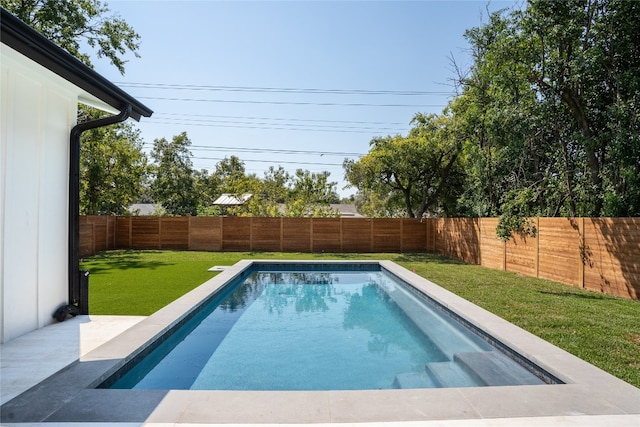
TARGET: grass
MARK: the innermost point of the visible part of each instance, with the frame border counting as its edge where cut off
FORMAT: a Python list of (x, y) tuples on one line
[(601, 329)]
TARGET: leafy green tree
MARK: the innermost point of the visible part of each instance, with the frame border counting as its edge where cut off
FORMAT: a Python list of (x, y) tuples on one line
[(174, 184), (207, 190), (419, 173), (269, 193), (311, 195), (112, 168), (74, 23), (553, 98)]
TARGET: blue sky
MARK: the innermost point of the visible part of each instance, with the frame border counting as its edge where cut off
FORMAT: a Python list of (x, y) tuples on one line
[(281, 83)]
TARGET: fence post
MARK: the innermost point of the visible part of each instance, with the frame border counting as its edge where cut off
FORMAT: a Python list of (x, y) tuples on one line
[(537, 253), (581, 249), (504, 256), (371, 234), (130, 232)]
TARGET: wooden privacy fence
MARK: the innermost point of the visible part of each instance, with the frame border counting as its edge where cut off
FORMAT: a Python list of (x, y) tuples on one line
[(599, 254)]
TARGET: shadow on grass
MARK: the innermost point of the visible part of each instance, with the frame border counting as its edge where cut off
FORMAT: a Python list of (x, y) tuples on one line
[(426, 257), (581, 295), (125, 260)]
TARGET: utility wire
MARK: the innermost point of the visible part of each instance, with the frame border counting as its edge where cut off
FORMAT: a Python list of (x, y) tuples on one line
[(274, 127), (270, 161), (277, 151), (278, 119), (257, 89), (256, 123), (267, 150), (328, 104)]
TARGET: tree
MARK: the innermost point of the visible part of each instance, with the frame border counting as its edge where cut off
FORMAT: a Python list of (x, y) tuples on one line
[(554, 97), (72, 23), (418, 173), (207, 190), (174, 183), (311, 195), (113, 168), (269, 193)]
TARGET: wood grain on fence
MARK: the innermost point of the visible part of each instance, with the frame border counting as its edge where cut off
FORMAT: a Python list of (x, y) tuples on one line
[(611, 254), (97, 233), (599, 254)]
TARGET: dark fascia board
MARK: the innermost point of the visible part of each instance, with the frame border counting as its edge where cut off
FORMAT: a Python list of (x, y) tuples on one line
[(30, 43)]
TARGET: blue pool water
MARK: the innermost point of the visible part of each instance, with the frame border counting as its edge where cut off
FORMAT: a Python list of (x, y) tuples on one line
[(313, 330)]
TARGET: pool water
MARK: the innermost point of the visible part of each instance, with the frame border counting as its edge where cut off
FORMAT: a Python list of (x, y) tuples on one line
[(313, 330)]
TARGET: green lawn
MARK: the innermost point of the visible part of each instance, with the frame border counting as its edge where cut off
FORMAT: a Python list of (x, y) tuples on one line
[(600, 329)]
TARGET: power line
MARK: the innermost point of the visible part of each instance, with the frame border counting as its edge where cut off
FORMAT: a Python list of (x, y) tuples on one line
[(279, 119), (271, 161), (257, 89), (274, 127), (325, 104), (268, 150), (275, 151), (183, 120)]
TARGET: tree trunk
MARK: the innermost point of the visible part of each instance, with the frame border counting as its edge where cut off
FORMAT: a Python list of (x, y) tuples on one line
[(576, 106)]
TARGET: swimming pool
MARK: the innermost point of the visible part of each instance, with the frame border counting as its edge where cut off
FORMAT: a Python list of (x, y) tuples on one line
[(72, 394), (303, 326)]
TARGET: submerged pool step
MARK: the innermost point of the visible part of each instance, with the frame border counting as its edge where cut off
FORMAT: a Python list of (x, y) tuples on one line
[(495, 369), (414, 380), (450, 374)]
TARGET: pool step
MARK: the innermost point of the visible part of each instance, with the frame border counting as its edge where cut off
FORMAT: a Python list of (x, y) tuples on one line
[(449, 374), (494, 368), (414, 380)]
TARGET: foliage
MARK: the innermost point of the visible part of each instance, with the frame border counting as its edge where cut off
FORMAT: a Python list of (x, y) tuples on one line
[(174, 185), (553, 101), (310, 195), (112, 168), (72, 23), (419, 173), (601, 329)]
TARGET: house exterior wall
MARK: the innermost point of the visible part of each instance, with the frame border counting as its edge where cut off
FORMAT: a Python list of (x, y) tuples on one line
[(38, 111)]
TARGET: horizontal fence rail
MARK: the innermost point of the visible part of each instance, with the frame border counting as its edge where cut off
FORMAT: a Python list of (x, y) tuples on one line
[(599, 254)]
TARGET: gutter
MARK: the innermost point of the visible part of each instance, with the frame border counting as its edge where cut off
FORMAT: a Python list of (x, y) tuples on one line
[(77, 296)]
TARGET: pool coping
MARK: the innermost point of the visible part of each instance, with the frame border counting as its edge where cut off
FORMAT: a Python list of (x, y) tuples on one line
[(70, 395)]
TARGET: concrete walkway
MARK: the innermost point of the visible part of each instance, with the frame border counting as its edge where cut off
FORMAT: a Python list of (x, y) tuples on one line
[(29, 359)]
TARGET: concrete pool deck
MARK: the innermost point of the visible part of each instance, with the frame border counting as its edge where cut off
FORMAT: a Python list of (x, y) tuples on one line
[(589, 397)]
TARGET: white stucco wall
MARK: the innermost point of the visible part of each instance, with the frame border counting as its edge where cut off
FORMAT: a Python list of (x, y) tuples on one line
[(38, 112)]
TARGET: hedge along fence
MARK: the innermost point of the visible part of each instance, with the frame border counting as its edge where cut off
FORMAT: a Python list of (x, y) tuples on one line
[(599, 254)]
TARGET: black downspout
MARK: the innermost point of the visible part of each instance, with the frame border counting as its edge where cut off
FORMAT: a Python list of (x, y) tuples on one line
[(74, 203)]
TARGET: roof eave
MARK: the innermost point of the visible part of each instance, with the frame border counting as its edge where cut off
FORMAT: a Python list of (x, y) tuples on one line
[(30, 43)]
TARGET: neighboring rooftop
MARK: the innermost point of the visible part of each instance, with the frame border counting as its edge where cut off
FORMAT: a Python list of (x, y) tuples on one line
[(227, 199)]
